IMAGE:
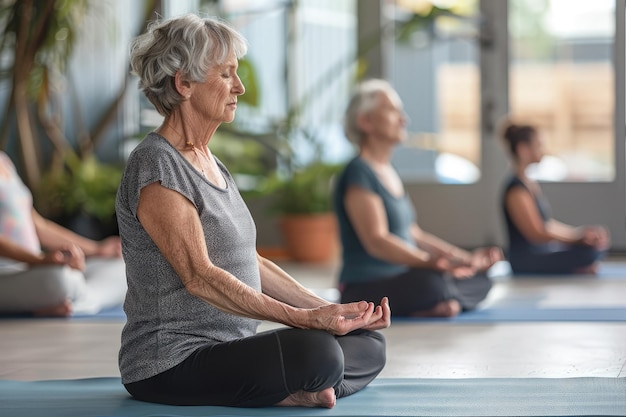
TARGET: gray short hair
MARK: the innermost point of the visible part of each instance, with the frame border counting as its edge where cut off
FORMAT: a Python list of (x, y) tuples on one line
[(364, 99), (189, 44)]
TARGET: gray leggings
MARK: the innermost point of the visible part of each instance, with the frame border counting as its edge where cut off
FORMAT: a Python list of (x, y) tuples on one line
[(101, 285), (264, 369)]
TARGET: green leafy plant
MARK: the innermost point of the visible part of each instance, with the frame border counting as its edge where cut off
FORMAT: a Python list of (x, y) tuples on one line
[(306, 191), (84, 187), (37, 40)]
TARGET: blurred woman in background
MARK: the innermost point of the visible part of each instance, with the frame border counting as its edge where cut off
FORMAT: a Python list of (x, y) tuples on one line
[(539, 244), (71, 275), (384, 250)]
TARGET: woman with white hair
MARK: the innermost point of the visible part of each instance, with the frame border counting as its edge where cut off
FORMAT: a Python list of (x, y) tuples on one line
[(197, 288), (384, 251)]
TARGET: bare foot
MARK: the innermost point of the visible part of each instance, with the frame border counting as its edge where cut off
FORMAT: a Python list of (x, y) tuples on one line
[(447, 308), (62, 310), (325, 398)]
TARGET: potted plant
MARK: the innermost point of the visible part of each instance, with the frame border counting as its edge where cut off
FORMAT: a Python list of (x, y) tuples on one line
[(303, 201)]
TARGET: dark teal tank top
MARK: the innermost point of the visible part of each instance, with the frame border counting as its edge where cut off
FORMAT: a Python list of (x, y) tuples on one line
[(357, 265)]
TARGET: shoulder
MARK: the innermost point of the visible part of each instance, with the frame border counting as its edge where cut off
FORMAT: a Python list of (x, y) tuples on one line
[(154, 159), (357, 172), (152, 146), (517, 193), (155, 154), (357, 163), (514, 182), (357, 167)]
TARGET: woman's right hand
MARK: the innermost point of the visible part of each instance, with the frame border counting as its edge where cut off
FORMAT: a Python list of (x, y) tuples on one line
[(456, 270), (340, 319)]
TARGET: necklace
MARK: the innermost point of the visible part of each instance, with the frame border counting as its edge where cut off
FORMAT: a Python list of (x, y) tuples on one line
[(192, 145)]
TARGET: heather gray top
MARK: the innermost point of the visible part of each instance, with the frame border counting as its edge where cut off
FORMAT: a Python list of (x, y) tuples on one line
[(165, 323)]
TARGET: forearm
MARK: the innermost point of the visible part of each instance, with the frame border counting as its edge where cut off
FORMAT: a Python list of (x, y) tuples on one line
[(279, 285), (562, 232), (222, 290), (440, 247), (55, 236), (10, 250), (392, 249)]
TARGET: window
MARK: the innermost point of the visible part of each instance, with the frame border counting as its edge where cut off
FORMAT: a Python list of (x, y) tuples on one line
[(561, 80)]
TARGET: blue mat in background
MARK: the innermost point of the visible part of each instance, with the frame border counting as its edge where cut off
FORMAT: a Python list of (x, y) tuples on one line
[(612, 270), (609, 270), (384, 397), (528, 314), (113, 313)]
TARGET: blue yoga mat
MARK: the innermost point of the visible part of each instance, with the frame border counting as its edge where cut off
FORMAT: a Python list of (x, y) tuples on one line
[(384, 397), (529, 314)]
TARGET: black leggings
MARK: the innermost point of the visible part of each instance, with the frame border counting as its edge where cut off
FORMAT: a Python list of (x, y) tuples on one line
[(264, 369), (419, 290), (554, 259)]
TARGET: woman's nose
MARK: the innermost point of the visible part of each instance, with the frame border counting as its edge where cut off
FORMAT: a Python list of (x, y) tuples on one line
[(239, 87)]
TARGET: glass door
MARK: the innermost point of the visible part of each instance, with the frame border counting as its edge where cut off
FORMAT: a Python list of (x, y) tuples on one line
[(444, 66)]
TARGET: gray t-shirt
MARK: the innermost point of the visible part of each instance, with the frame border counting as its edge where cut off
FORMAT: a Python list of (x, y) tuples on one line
[(165, 323)]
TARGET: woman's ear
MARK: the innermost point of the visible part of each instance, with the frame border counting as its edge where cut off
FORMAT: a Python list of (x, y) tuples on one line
[(522, 150), (182, 86)]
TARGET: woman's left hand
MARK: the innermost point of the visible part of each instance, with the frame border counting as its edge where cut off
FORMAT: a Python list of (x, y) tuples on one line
[(596, 236), (111, 247), (341, 319), (381, 319)]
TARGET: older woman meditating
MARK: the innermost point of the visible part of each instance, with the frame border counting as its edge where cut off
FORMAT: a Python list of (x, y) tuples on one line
[(197, 288), (385, 251)]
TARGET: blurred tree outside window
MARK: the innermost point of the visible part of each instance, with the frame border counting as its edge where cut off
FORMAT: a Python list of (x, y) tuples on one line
[(562, 80)]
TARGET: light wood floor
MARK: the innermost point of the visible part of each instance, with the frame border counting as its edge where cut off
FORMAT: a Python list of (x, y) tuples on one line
[(33, 349)]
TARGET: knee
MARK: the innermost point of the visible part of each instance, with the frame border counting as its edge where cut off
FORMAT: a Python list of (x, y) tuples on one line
[(374, 346), (589, 255), (316, 355), (323, 356), (61, 283)]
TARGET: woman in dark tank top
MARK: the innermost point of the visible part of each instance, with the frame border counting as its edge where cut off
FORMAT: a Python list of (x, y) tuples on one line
[(539, 244)]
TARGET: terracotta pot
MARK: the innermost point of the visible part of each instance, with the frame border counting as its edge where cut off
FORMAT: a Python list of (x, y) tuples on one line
[(310, 238)]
